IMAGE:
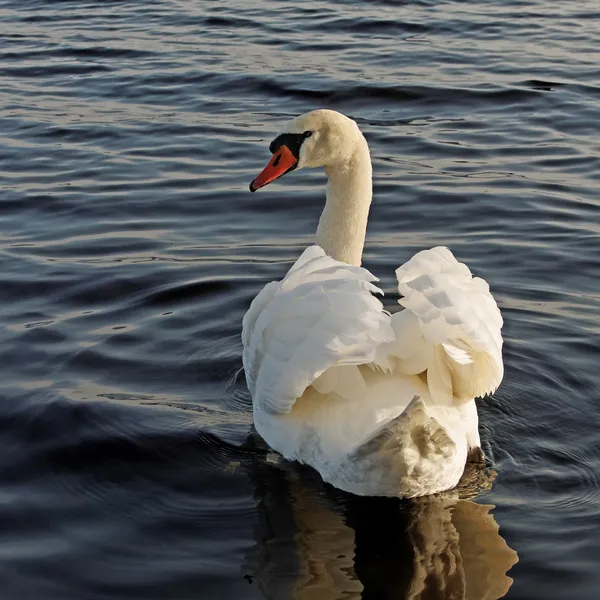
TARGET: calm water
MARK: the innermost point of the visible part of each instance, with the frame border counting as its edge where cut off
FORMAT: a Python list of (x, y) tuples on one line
[(131, 247)]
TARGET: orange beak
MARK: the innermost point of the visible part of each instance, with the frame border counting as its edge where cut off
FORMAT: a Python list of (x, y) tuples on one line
[(282, 161)]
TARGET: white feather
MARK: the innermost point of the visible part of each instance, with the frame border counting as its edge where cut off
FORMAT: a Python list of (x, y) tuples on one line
[(457, 314), (321, 315), (308, 339)]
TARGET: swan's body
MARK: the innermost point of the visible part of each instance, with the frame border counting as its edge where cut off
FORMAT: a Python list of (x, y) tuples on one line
[(378, 404)]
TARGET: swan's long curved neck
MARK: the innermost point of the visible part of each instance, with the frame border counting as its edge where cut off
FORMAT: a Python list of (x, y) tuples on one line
[(343, 223)]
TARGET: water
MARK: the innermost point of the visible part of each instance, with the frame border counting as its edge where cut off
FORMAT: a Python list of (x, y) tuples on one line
[(131, 248)]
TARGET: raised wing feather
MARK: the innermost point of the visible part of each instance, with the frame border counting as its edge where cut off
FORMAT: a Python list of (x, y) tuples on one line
[(451, 325), (322, 314)]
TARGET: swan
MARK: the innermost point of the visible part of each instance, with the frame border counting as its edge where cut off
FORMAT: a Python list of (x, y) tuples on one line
[(379, 404)]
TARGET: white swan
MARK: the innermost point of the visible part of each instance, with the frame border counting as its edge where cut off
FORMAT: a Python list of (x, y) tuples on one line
[(379, 405)]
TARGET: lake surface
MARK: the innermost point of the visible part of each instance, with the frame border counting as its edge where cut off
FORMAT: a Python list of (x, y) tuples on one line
[(130, 249)]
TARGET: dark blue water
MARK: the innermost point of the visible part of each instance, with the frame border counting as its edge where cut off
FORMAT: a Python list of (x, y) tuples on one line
[(130, 248)]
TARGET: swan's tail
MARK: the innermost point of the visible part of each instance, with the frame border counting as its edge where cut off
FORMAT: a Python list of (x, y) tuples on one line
[(416, 451), (450, 328)]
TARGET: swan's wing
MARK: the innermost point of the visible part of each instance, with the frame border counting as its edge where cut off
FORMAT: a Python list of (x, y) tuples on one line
[(450, 328), (412, 453), (322, 314)]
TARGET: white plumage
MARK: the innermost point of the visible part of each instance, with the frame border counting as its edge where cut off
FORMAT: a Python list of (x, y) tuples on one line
[(458, 333), (321, 315), (379, 404)]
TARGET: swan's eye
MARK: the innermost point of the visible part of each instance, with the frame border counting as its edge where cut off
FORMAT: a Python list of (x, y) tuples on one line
[(292, 140)]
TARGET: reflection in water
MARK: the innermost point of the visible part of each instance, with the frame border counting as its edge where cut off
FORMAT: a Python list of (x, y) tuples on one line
[(316, 543)]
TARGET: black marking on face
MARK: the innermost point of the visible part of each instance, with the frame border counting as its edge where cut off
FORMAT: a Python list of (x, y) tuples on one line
[(292, 140)]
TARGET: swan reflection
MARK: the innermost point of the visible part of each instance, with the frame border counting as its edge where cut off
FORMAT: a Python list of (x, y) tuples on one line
[(316, 543)]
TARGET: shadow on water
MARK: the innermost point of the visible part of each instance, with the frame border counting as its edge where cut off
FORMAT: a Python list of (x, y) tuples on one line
[(315, 542)]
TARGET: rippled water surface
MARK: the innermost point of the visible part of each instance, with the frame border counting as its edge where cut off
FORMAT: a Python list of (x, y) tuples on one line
[(131, 247)]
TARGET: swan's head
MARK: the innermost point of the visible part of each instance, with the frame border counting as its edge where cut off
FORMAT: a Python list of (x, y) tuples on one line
[(321, 138)]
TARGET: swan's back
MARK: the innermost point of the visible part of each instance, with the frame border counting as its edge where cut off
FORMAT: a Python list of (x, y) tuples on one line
[(378, 404)]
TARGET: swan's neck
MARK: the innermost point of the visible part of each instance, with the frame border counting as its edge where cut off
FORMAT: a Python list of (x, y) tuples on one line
[(343, 224)]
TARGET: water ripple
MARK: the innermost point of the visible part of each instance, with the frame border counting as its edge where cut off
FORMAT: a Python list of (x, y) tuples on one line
[(131, 248)]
